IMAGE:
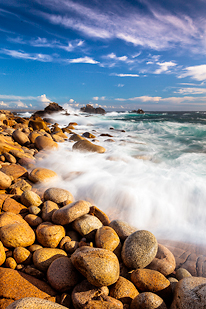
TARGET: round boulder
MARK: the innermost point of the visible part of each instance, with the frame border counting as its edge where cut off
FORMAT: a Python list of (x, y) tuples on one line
[(148, 300), (99, 266), (44, 142), (57, 195), (49, 235), (5, 181), (107, 238), (41, 175), (22, 255), (48, 209), (86, 224), (85, 145), (123, 290), (139, 249), (42, 258), (20, 137)]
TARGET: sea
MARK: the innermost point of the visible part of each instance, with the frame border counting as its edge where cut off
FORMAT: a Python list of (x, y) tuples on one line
[(152, 174)]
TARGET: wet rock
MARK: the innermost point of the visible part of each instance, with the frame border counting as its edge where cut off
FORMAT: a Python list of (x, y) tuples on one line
[(33, 135), (20, 137), (85, 291), (85, 145), (2, 254), (71, 212), (9, 157), (10, 263), (41, 175), (49, 235), (123, 290), (5, 181), (15, 231), (44, 142), (42, 258), (107, 238), (76, 138), (11, 205), (29, 198), (92, 110), (86, 224), (182, 273), (58, 195), (34, 302), (122, 228), (148, 300), (88, 135), (14, 170), (164, 261), (22, 255), (190, 293), (99, 266), (15, 285), (95, 211), (33, 220), (38, 125), (48, 209), (62, 275), (139, 249)]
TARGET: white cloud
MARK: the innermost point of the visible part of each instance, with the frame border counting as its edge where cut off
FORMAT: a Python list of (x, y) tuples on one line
[(164, 66), (189, 90), (30, 56), (85, 59), (3, 104), (197, 72), (71, 101), (120, 85), (42, 98), (124, 75), (98, 98)]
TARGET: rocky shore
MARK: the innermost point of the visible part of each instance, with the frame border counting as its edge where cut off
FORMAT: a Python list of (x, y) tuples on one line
[(58, 252)]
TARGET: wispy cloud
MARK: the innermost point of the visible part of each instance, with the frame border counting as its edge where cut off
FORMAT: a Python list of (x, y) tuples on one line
[(164, 66), (29, 56), (85, 59), (98, 98), (124, 75), (191, 90), (197, 72), (120, 85)]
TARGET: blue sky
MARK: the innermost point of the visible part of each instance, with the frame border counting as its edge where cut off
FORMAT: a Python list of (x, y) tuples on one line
[(120, 55)]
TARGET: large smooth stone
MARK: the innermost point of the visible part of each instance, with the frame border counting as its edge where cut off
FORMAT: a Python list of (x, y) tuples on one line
[(15, 285), (48, 209), (190, 293), (99, 266), (15, 231), (122, 228), (62, 275), (148, 300), (84, 145), (164, 262), (38, 125), (71, 212), (14, 170), (86, 224), (123, 290), (139, 249), (34, 302), (42, 258), (29, 198), (49, 235), (57, 195), (20, 137), (44, 142), (11, 205), (85, 292), (5, 181), (107, 238), (2, 254), (41, 175)]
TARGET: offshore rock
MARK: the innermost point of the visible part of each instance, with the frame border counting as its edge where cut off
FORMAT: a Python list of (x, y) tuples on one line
[(99, 266), (139, 249), (92, 110)]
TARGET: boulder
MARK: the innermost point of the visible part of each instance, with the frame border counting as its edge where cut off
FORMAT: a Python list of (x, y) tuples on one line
[(99, 266), (58, 195), (29, 198), (49, 235), (107, 238), (86, 224), (33, 220), (40, 174), (5, 181), (123, 290), (14, 170), (44, 142), (42, 258), (95, 211), (38, 125), (11, 205), (2, 254), (20, 137), (22, 255), (139, 249), (85, 145), (48, 209), (122, 228), (148, 300)]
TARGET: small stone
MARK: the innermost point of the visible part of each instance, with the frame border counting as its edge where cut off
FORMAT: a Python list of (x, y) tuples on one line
[(122, 228), (57, 195), (107, 238), (48, 209), (95, 211), (62, 275), (86, 224), (33, 220), (148, 300), (123, 290), (10, 263), (34, 247), (99, 266), (49, 234), (64, 241), (182, 273), (42, 258), (22, 255), (85, 291), (2, 254), (164, 261), (71, 246), (139, 249), (34, 210), (5, 181), (42, 175), (29, 198), (71, 212)]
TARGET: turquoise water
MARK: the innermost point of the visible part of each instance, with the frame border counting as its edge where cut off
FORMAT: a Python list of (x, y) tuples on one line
[(153, 173)]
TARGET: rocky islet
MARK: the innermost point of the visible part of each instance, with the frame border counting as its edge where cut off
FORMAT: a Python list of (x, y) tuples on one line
[(55, 249)]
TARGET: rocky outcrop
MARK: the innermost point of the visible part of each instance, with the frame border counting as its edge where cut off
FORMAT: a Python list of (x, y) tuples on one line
[(51, 108), (92, 110)]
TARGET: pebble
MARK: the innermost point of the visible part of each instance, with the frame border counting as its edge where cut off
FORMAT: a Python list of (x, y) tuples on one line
[(49, 234), (148, 300), (71, 212), (22, 255), (10, 263), (107, 238), (5, 181), (29, 198), (123, 290), (139, 249), (182, 273), (33, 220), (58, 195), (48, 209), (86, 224), (122, 228), (42, 258), (99, 266)]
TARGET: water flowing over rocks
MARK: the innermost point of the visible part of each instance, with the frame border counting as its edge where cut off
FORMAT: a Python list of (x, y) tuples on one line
[(60, 252)]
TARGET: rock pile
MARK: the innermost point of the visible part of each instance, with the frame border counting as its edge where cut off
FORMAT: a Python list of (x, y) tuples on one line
[(58, 252)]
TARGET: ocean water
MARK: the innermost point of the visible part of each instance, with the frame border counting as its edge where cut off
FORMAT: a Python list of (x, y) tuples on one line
[(152, 175)]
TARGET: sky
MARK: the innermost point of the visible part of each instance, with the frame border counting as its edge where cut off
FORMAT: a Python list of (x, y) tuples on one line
[(120, 55)]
